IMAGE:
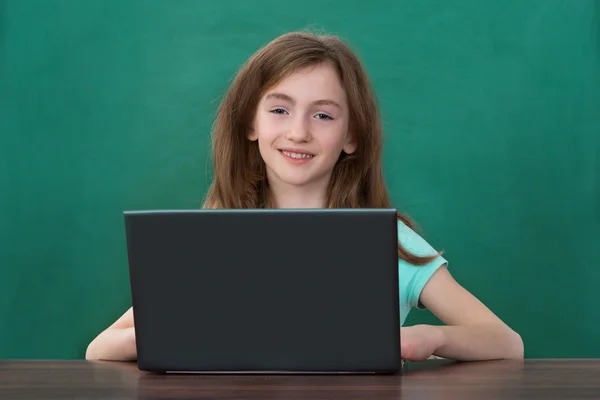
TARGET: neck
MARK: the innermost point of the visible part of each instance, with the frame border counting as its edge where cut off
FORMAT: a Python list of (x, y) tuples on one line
[(289, 196)]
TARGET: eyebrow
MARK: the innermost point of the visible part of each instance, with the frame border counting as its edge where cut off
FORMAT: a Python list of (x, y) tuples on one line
[(285, 97)]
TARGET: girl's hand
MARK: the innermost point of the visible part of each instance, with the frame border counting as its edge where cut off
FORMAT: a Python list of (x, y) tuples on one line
[(116, 343), (419, 342)]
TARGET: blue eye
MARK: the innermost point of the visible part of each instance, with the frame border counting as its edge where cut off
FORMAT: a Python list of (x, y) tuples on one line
[(323, 116)]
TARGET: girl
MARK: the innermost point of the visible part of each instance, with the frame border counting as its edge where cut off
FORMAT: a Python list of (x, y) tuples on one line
[(300, 127)]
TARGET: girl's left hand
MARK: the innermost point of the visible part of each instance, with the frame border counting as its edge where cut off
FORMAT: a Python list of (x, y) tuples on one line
[(419, 342)]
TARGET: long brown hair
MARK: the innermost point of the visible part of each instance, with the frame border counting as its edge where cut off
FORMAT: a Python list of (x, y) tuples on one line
[(239, 171)]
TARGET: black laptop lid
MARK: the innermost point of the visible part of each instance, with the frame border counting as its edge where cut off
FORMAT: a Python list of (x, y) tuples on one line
[(265, 290)]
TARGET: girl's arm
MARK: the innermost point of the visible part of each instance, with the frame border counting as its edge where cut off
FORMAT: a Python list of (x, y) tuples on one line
[(472, 331), (116, 343)]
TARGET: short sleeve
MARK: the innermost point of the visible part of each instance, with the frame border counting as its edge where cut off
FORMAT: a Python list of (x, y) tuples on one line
[(412, 278)]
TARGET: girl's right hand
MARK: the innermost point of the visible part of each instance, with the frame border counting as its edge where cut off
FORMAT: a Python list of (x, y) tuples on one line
[(116, 343)]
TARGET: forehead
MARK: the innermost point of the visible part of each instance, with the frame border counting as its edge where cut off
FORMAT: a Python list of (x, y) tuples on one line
[(311, 83)]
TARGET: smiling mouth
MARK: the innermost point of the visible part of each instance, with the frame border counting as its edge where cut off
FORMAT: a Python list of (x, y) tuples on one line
[(296, 156)]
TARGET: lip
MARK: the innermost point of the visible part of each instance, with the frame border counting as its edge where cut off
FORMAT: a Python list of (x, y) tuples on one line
[(296, 161), (300, 151)]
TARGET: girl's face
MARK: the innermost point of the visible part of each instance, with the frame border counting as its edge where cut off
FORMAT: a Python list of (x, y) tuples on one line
[(301, 126)]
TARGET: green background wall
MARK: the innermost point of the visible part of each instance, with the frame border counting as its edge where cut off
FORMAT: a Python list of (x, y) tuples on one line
[(492, 116)]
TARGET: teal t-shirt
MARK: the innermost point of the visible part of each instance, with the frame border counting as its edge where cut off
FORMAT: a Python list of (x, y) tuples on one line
[(412, 278)]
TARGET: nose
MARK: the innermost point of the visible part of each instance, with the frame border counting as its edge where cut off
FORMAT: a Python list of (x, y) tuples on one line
[(299, 130)]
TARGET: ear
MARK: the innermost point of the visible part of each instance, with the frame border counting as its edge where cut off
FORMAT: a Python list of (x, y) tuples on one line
[(350, 146), (252, 135)]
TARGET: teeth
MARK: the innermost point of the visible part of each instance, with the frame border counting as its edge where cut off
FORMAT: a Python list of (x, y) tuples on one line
[(297, 155)]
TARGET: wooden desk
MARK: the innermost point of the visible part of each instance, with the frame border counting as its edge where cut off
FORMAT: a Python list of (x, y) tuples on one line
[(531, 379)]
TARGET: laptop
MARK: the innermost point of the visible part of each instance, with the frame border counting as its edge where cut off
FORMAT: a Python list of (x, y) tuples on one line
[(265, 290)]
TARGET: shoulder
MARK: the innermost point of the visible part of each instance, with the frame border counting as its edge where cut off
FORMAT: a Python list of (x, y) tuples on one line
[(412, 278), (414, 242)]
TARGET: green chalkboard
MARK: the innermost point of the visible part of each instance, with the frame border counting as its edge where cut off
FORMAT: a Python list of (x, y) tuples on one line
[(492, 121)]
